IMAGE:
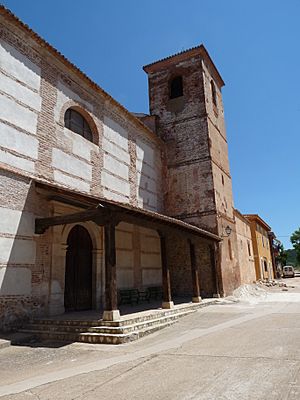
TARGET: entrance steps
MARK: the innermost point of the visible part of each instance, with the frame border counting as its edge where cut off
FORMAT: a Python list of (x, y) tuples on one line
[(128, 328)]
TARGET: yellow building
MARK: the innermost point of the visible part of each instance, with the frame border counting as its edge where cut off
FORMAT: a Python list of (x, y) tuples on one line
[(260, 231)]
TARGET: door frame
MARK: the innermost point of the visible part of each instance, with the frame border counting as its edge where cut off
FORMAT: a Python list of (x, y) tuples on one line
[(56, 287), (79, 270)]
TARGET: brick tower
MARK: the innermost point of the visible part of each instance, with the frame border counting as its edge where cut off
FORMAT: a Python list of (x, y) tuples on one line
[(185, 96)]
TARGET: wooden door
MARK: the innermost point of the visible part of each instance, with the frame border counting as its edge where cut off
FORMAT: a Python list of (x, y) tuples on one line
[(78, 278)]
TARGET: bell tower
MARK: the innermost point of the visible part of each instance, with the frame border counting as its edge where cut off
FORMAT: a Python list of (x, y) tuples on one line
[(185, 96)]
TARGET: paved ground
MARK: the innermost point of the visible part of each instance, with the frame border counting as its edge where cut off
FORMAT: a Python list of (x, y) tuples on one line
[(235, 350)]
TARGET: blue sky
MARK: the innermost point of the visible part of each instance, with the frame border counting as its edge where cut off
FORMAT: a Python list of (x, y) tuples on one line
[(255, 46)]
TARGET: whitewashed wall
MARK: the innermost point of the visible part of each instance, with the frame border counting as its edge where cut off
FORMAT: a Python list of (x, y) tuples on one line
[(116, 162), (126, 167), (138, 257), (125, 256), (148, 167), (71, 161), (20, 103), (17, 251), (150, 258)]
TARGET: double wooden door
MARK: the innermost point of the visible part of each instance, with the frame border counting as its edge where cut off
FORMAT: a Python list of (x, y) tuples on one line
[(78, 278)]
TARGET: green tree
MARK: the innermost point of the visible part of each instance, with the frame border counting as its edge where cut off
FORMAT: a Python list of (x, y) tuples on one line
[(281, 255), (295, 239)]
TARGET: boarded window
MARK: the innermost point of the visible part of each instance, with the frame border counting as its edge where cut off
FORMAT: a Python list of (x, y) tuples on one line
[(78, 124)]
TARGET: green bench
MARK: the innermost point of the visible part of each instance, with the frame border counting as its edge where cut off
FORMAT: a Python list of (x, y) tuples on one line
[(131, 296), (144, 295), (155, 292), (128, 296)]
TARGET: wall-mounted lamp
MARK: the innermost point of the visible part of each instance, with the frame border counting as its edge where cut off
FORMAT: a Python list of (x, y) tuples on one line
[(227, 232)]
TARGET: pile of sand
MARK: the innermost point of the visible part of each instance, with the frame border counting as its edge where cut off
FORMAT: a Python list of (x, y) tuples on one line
[(250, 293)]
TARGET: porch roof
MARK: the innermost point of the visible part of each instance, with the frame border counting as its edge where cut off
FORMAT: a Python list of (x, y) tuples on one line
[(97, 209)]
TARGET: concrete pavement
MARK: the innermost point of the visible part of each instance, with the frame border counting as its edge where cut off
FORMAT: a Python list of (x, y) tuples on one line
[(234, 350)]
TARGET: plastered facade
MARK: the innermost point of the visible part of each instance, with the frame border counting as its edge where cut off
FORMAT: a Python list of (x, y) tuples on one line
[(245, 249), (261, 247)]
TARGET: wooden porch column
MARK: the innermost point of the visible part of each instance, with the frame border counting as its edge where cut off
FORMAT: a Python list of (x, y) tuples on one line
[(167, 297), (111, 312), (195, 274)]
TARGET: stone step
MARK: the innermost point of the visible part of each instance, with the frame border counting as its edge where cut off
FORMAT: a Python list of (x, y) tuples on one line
[(124, 330), (98, 338), (140, 325), (54, 328), (123, 320), (87, 337), (66, 322)]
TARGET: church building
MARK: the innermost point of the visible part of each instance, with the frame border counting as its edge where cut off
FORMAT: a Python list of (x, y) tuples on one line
[(96, 199)]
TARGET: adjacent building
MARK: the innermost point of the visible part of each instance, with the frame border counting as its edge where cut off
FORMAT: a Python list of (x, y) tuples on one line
[(245, 249), (262, 247)]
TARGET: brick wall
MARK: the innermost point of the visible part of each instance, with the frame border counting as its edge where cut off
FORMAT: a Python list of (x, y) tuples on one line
[(179, 261), (198, 185)]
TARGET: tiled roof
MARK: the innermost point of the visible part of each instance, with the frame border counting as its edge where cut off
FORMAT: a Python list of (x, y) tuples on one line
[(258, 219), (174, 55), (181, 55)]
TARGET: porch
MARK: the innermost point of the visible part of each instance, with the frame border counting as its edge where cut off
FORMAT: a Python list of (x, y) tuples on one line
[(102, 219)]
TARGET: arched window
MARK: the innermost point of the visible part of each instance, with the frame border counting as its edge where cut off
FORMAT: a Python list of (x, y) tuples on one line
[(77, 123), (213, 92), (176, 87)]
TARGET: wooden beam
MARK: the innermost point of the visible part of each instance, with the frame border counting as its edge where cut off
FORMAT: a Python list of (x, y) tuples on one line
[(158, 225), (41, 224), (141, 221), (166, 283), (127, 214), (111, 298)]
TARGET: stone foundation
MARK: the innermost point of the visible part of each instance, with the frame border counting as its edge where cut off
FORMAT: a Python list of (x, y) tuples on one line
[(17, 310)]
